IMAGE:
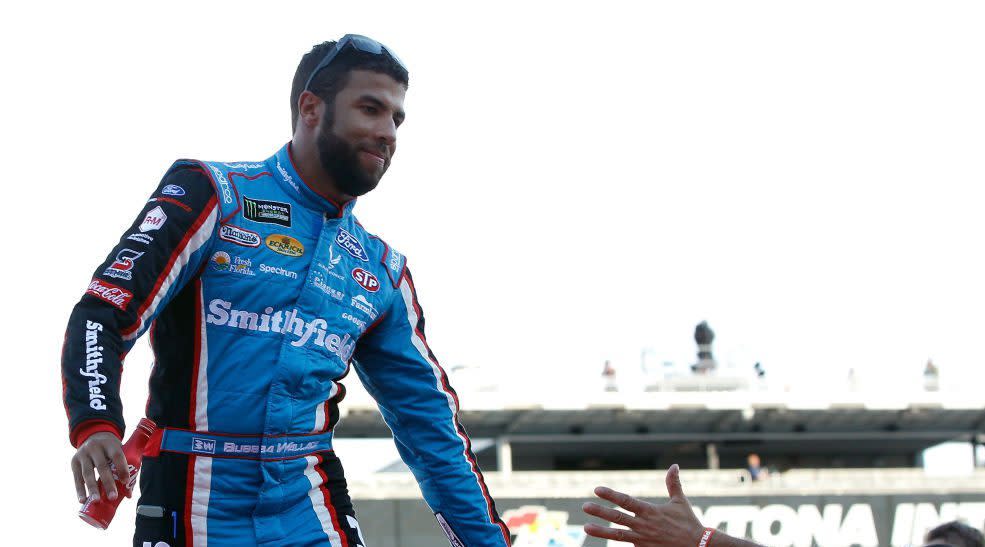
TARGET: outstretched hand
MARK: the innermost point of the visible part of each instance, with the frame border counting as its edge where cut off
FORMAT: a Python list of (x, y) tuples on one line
[(649, 525)]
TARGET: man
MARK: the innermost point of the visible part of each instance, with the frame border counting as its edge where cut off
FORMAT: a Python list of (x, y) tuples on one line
[(259, 288), (672, 524), (954, 534)]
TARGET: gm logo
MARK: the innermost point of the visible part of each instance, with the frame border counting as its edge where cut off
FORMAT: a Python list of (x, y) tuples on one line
[(205, 446)]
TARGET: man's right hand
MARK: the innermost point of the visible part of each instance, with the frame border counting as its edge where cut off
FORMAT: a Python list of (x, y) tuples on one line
[(97, 453)]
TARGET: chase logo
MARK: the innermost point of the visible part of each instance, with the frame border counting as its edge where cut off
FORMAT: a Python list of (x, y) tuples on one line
[(351, 245), (204, 446)]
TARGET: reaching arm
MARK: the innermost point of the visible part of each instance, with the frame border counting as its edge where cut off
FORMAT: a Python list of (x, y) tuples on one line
[(672, 524), (398, 369)]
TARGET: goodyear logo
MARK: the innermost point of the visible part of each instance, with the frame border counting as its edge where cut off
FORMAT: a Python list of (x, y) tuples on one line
[(285, 245)]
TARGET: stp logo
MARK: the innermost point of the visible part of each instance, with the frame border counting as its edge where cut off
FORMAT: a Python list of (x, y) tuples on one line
[(366, 280)]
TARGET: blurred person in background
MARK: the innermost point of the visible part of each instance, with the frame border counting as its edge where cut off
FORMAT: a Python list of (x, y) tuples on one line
[(260, 289), (954, 534)]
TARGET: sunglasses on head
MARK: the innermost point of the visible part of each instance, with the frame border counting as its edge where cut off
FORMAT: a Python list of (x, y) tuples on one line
[(357, 42)]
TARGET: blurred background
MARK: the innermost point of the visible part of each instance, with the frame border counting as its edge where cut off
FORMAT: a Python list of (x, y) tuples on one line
[(578, 187)]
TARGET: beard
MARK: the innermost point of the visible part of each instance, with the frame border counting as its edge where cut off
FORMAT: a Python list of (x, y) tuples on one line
[(339, 160)]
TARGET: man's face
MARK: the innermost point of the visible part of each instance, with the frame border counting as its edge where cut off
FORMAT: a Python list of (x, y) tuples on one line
[(357, 136)]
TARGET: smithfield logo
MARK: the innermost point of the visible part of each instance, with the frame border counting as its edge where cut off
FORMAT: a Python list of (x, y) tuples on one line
[(285, 245), (239, 236), (351, 245), (287, 177), (224, 186), (243, 165), (205, 446), (221, 312), (110, 293), (366, 280), (122, 266), (268, 212), (173, 190), (94, 358), (153, 220)]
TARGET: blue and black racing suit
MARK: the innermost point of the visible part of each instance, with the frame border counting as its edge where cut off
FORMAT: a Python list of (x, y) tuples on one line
[(258, 294)]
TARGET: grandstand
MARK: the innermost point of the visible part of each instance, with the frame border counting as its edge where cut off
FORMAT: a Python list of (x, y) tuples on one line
[(846, 467)]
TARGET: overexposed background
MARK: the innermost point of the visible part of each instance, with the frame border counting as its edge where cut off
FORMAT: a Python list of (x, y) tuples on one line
[(575, 182)]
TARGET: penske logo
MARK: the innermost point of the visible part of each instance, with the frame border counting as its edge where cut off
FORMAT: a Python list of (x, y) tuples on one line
[(285, 245)]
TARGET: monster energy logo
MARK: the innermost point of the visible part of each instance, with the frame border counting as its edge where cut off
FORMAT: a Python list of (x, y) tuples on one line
[(269, 212)]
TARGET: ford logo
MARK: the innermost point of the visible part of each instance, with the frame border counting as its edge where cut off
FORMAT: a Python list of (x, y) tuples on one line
[(351, 245)]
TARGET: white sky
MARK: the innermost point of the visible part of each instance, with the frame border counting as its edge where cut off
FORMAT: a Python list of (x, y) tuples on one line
[(574, 182)]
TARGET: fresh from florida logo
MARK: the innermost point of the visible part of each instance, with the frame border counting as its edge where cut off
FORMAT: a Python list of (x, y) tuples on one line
[(222, 262), (351, 245), (535, 525), (285, 245)]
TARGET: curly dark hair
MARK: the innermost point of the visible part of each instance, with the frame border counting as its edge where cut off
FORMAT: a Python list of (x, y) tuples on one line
[(331, 79), (957, 534)]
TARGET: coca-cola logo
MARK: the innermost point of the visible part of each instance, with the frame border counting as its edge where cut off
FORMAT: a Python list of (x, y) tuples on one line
[(110, 293)]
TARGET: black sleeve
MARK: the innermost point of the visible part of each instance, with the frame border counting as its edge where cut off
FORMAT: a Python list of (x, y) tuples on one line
[(160, 252)]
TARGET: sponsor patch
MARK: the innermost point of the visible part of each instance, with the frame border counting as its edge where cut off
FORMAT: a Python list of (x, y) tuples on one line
[(285, 245), (277, 270), (173, 190), (354, 320), (319, 283), (269, 212), (205, 446), (351, 245), (141, 238), (287, 177), (242, 165), (239, 236), (287, 322), (225, 188), (360, 303), (122, 267), (94, 358), (331, 272), (394, 262), (222, 262), (153, 220), (110, 293), (366, 279)]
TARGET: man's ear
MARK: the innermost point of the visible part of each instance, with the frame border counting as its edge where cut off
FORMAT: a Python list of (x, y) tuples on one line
[(310, 109)]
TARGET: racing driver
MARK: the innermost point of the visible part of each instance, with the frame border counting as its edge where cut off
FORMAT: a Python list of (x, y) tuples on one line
[(260, 288)]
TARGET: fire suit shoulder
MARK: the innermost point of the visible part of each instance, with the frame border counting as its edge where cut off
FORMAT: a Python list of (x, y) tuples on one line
[(219, 175), (392, 260)]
